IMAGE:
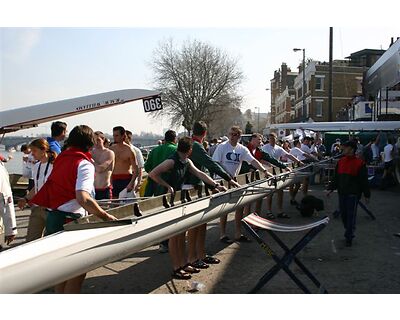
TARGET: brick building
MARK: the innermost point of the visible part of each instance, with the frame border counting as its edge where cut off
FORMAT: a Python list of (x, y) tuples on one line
[(282, 95), (285, 105), (347, 78), (365, 58), (347, 83)]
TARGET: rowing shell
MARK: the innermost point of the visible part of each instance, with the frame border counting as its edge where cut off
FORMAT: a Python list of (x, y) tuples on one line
[(28, 117), (48, 261)]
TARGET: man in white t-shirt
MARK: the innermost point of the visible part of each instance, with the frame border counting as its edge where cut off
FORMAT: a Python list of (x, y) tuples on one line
[(298, 152), (305, 146), (277, 152), (388, 156), (318, 148), (230, 154)]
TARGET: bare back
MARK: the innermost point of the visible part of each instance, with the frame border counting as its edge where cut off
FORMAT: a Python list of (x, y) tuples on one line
[(104, 164), (124, 159)]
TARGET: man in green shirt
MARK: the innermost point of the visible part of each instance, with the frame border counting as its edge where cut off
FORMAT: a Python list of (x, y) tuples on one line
[(157, 156), (200, 158)]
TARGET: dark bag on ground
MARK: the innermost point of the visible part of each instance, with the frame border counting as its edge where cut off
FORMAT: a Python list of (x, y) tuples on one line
[(309, 204)]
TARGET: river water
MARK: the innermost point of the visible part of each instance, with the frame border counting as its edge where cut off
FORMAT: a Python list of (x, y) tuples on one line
[(14, 165)]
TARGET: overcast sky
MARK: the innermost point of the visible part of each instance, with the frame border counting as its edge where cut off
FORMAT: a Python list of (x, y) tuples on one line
[(49, 64)]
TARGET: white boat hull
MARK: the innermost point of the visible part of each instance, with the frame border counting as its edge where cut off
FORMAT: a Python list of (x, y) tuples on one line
[(43, 263), (28, 117)]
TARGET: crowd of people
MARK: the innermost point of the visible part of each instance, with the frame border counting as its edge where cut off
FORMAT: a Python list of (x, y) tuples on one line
[(66, 181)]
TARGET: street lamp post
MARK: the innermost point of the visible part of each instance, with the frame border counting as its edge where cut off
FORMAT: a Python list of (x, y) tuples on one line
[(267, 89), (304, 78)]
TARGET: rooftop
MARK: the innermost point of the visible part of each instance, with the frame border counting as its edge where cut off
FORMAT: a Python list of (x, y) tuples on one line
[(366, 52)]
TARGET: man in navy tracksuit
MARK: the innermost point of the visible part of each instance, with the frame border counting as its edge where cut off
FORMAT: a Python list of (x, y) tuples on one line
[(351, 180)]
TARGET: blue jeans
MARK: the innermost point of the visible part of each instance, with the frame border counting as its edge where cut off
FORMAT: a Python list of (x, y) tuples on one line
[(348, 210)]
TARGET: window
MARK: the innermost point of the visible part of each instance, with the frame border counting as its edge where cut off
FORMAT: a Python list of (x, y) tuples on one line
[(318, 108), (319, 83), (299, 94), (359, 84)]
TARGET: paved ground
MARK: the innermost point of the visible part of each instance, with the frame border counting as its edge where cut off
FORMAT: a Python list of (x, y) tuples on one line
[(370, 266)]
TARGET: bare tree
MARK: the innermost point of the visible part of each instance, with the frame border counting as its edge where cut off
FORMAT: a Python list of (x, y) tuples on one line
[(222, 119), (195, 81)]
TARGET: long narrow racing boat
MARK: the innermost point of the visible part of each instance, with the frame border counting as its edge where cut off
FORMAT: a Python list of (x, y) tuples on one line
[(90, 244)]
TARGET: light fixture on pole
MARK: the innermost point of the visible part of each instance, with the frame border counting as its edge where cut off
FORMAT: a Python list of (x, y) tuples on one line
[(304, 80)]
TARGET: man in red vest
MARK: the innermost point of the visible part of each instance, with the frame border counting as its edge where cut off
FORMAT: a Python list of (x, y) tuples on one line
[(68, 193), (351, 181)]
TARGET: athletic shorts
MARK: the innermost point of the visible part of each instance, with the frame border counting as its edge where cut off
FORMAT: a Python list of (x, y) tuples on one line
[(105, 193), (56, 219), (389, 164), (119, 183)]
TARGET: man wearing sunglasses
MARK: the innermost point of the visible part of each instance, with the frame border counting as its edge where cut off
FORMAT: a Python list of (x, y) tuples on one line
[(230, 154)]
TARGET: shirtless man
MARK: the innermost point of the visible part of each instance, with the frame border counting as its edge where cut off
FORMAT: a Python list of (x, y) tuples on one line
[(104, 160), (125, 170), (139, 159)]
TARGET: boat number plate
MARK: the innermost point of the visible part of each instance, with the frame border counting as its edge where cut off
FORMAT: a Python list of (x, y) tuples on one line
[(152, 104)]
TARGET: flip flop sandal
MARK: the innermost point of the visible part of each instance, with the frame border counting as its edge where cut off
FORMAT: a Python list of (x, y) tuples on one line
[(190, 269), (211, 260), (226, 239), (200, 264), (243, 238), (283, 215), (181, 275), (270, 216)]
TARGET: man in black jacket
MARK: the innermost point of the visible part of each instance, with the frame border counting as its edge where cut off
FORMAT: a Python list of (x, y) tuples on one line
[(351, 181)]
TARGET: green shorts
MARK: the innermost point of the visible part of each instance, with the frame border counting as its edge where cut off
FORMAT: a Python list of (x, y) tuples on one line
[(56, 219)]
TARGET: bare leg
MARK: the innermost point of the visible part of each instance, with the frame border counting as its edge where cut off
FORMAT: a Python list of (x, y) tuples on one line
[(59, 288), (305, 186), (193, 235), (222, 223), (258, 207), (173, 246), (182, 249), (269, 203), (246, 210), (201, 242), (238, 222), (293, 189), (74, 285), (280, 201)]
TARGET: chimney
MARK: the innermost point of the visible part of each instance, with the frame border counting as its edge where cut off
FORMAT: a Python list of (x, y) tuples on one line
[(284, 68), (283, 82)]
